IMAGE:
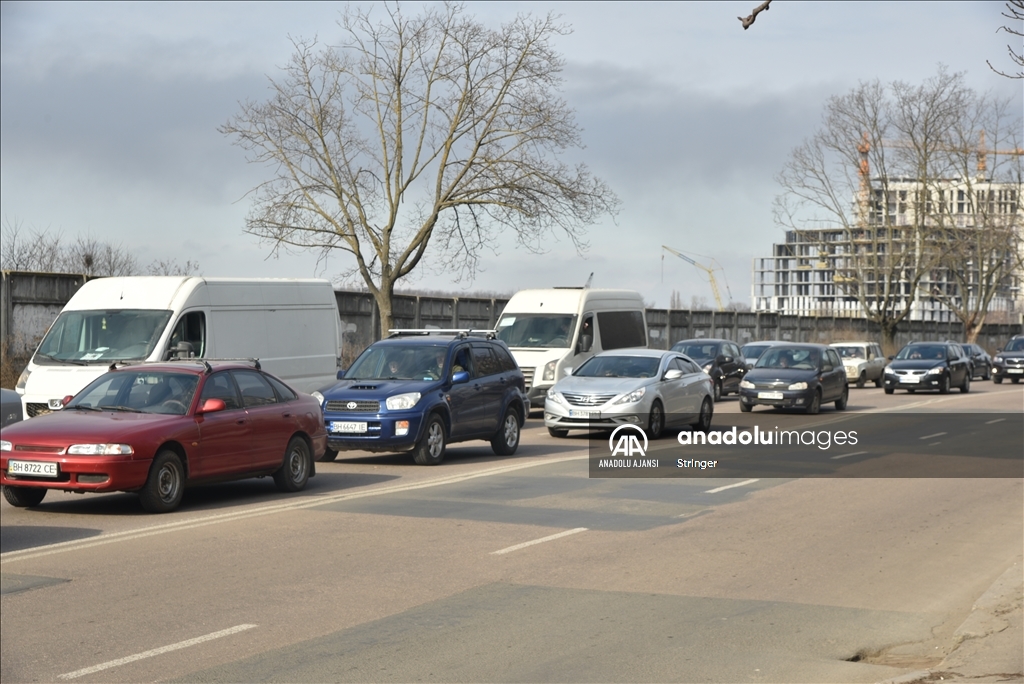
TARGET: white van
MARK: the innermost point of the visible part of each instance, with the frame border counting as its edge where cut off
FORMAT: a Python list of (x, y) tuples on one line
[(550, 332), (292, 326)]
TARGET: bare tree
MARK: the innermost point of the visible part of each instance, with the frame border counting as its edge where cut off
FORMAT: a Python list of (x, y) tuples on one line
[(872, 190), (171, 267), (43, 251), (1015, 13), (424, 136), (749, 20)]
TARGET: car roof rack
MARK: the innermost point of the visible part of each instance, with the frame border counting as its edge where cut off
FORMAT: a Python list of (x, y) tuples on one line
[(461, 333), (206, 361)]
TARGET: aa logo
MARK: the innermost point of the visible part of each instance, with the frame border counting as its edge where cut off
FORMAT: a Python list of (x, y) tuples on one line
[(625, 442)]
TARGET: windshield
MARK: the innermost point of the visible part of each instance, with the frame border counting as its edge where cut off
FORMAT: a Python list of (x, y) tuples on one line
[(849, 352), (752, 351), (619, 367), (138, 391), (1016, 345), (932, 352), (788, 357), (400, 362), (99, 337), (537, 330), (698, 351)]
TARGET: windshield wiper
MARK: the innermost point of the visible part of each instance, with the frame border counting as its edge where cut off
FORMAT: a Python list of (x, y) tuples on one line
[(82, 407), (74, 362), (127, 409)]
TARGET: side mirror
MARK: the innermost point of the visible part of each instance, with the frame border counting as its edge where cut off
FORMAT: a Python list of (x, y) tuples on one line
[(891, 357), (341, 374), (673, 374), (212, 406), (723, 358), (586, 342), (460, 377), (65, 400)]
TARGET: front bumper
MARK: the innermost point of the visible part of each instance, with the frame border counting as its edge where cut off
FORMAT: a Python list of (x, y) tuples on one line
[(1002, 369), (382, 431), (607, 417), (913, 382), (80, 473), (777, 398)]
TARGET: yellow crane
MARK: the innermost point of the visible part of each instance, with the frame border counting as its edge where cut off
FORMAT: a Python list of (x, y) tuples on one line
[(707, 269)]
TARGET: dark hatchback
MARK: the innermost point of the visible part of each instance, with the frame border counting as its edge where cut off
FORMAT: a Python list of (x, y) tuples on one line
[(1009, 363), (720, 359), (799, 376), (981, 362), (929, 366), (419, 391)]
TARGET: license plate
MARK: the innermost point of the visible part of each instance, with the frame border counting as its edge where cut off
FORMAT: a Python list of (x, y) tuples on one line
[(347, 426), (32, 468), (769, 395), (910, 380), (1015, 370), (576, 413)]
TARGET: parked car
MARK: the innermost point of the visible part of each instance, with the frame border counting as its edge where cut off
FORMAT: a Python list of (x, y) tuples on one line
[(651, 388), (863, 361), (981, 362), (720, 359), (929, 366), (10, 407), (802, 376), (1009, 363), (156, 428), (752, 351), (420, 390)]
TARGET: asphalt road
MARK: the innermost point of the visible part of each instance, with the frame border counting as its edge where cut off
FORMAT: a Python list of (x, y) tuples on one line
[(521, 569)]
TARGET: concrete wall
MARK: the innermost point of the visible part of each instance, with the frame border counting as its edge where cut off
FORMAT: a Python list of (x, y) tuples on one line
[(29, 302)]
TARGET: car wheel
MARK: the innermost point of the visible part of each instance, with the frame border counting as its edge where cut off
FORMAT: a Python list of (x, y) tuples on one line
[(746, 408), (718, 391), (889, 390), (843, 399), (878, 382), (558, 432), (998, 381), (506, 441), (430, 450), (944, 385), (655, 421), (293, 474), (329, 455), (1014, 380), (815, 406), (966, 387), (988, 373), (24, 497), (707, 410), (862, 380), (165, 485)]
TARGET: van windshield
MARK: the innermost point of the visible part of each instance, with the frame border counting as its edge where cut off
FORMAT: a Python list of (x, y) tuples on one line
[(537, 330), (99, 337)]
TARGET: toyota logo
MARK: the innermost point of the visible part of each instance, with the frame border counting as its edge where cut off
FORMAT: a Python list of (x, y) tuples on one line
[(351, 406)]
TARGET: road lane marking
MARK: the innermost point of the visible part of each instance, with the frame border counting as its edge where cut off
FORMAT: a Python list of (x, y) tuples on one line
[(297, 504), (997, 420), (738, 484), (937, 434), (154, 652), (855, 453), (539, 541)]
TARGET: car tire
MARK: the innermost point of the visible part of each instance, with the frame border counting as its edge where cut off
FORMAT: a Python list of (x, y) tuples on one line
[(329, 455), (165, 485), (506, 440), (558, 432), (707, 411), (998, 381), (988, 373), (746, 408), (293, 474), (718, 391), (430, 449), (966, 387), (815, 406), (656, 421), (944, 384), (843, 399), (889, 390), (24, 497), (878, 382), (1014, 380), (862, 380)]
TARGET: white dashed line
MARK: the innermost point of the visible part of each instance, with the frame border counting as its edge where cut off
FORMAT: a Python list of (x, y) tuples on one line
[(154, 652), (538, 541), (997, 420), (937, 434), (855, 453), (738, 484)]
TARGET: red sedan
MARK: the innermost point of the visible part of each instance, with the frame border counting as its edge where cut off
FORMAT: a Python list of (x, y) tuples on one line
[(155, 428)]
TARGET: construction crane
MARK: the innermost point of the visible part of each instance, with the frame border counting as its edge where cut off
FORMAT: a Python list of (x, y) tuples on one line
[(707, 269)]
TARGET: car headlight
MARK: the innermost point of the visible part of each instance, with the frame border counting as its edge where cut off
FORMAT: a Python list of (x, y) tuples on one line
[(798, 386), (5, 445), (997, 358), (549, 371), (319, 397), (22, 379), (400, 402), (556, 397), (888, 370), (746, 384), (632, 397), (936, 370), (101, 449), (707, 369)]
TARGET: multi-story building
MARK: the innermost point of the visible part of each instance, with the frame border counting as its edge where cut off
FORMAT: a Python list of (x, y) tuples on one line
[(897, 238)]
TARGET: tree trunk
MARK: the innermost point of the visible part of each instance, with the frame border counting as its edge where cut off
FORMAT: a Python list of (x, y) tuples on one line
[(889, 338), (973, 329), (383, 295)]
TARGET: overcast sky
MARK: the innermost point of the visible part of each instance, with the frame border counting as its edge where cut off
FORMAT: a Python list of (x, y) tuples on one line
[(109, 116)]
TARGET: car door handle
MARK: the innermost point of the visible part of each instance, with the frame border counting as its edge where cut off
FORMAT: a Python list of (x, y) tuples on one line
[(286, 414)]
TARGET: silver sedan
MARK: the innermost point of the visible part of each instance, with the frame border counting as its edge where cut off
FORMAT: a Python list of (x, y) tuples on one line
[(650, 388)]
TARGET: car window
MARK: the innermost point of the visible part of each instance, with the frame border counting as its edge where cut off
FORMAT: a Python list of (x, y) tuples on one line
[(284, 392), (505, 359), (221, 386), (619, 367), (255, 390), (485, 362), (834, 358), (462, 361), (684, 365), (620, 329)]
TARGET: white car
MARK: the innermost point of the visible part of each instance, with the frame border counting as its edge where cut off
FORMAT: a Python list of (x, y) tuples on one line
[(863, 362), (650, 388)]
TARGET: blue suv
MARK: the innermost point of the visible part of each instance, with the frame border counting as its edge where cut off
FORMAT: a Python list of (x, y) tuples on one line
[(420, 390)]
